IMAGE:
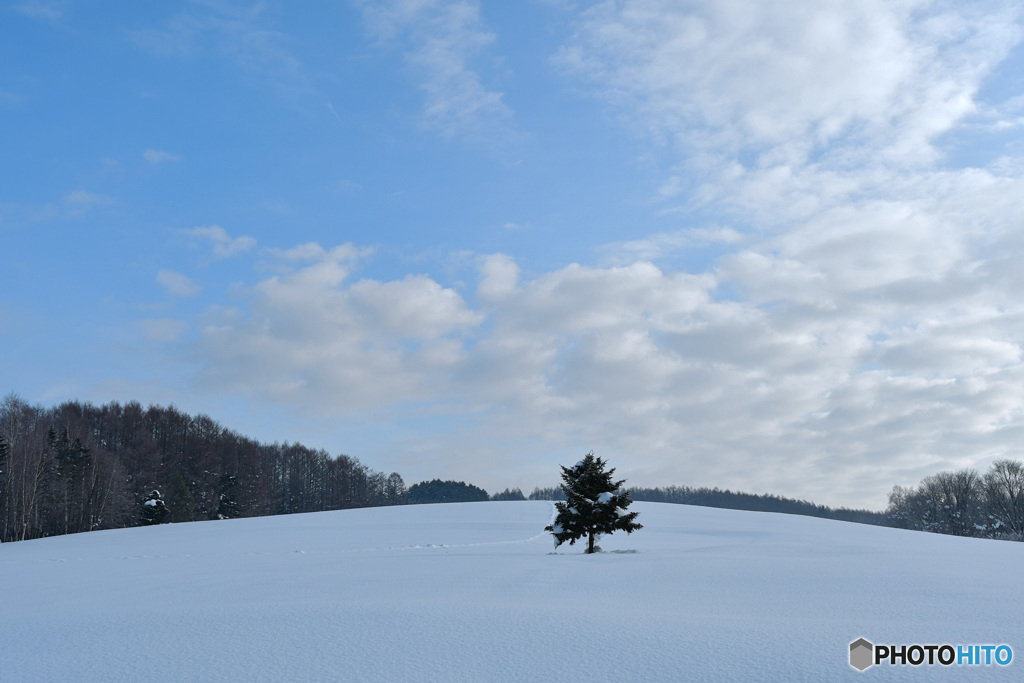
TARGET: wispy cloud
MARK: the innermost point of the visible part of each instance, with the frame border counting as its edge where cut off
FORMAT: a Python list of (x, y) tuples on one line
[(222, 244), (83, 197), (346, 186), (656, 246), (157, 157), (245, 33), (79, 199), (10, 97), (441, 39), (783, 81), (37, 9), (177, 284), (162, 330)]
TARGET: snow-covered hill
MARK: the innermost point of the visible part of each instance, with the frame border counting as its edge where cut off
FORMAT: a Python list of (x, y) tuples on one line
[(472, 592)]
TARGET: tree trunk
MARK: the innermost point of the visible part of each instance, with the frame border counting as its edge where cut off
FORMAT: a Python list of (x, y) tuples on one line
[(590, 547)]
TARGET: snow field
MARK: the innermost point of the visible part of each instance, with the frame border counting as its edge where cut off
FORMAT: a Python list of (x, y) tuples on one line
[(473, 592)]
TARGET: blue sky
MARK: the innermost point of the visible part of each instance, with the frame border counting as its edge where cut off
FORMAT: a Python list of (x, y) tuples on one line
[(723, 244)]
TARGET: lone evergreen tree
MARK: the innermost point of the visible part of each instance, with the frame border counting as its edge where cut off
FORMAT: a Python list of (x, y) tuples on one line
[(594, 504)]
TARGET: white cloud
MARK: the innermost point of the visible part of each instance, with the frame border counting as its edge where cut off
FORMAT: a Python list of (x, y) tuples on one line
[(311, 338), (157, 157), (871, 77), (441, 38), (875, 306), (804, 389), (177, 284), (499, 276), (311, 251), (223, 245)]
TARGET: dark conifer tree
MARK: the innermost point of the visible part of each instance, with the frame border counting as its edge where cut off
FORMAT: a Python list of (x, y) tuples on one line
[(154, 509), (181, 505), (70, 485), (594, 504), (228, 507)]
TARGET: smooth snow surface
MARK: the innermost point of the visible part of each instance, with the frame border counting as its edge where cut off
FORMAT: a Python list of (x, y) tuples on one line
[(472, 592)]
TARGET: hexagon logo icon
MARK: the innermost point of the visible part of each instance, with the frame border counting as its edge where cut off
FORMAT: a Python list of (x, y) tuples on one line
[(862, 654)]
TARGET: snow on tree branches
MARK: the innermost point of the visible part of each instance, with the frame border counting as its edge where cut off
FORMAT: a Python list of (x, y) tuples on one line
[(154, 509), (594, 504)]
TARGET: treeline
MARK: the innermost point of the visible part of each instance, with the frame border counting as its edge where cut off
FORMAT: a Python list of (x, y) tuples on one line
[(964, 503), (77, 467), (733, 500), (960, 503), (437, 491), (509, 494)]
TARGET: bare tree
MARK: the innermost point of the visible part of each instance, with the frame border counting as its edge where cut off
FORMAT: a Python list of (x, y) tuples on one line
[(906, 508), (28, 470), (1003, 487), (394, 490), (955, 502), (3, 482)]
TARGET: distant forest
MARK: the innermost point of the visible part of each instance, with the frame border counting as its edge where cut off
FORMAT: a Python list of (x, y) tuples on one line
[(959, 503), (79, 467)]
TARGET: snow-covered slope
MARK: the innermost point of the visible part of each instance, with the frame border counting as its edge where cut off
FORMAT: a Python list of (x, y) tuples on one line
[(473, 592)]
